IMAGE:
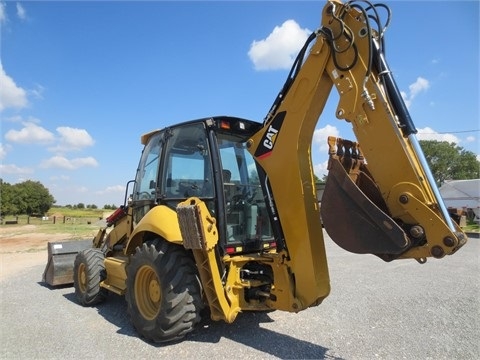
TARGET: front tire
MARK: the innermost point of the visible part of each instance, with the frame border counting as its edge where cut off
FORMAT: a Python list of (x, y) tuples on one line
[(88, 272), (163, 291)]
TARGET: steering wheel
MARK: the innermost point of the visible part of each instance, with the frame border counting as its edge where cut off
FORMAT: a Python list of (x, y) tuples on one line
[(144, 195)]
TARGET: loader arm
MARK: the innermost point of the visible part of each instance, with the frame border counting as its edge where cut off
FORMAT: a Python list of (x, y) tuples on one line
[(390, 207)]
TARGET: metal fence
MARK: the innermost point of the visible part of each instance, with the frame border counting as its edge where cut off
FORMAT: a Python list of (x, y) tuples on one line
[(34, 220)]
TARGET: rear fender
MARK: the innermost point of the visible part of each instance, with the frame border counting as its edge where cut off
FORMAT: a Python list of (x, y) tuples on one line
[(160, 220)]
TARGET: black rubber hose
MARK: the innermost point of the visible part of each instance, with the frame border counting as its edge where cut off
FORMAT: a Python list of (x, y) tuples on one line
[(406, 123)]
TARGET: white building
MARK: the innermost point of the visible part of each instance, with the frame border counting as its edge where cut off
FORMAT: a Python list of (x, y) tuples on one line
[(462, 194)]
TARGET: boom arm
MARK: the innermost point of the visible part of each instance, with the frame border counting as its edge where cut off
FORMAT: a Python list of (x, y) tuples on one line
[(390, 208)]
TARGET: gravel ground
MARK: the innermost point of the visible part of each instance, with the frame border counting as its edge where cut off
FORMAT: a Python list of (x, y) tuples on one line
[(376, 310)]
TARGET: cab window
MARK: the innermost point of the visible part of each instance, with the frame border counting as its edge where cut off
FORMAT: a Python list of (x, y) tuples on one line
[(247, 221), (146, 179), (188, 170)]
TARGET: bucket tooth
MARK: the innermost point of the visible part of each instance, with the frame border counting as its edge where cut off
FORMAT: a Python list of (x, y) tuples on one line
[(354, 213)]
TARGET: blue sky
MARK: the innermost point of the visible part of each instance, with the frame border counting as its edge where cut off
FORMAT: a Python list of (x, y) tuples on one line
[(81, 81)]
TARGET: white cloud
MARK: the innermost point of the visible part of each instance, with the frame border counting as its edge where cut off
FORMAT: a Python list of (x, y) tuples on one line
[(3, 15), (13, 119), (321, 169), (11, 95), (430, 134), (417, 87), (72, 139), (61, 177), (21, 13), (61, 162), (279, 49), (14, 169), (470, 139), (38, 91), (30, 134), (68, 139), (3, 152), (112, 189), (321, 135), (57, 162)]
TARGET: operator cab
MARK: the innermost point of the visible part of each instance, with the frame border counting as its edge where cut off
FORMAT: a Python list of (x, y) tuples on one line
[(208, 159)]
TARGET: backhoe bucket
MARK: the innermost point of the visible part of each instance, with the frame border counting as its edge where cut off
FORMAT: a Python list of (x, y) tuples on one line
[(61, 256), (355, 217)]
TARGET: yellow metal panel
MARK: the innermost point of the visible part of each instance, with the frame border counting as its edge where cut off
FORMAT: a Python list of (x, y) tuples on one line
[(160, 220), (145, 137), (200, 232), (294, 187), (116, 275)]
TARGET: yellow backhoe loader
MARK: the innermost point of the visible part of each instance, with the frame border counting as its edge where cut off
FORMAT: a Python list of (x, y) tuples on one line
[(223, 213)]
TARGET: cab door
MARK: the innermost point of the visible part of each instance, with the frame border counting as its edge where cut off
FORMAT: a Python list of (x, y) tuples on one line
[(145, 188), (187, 168)]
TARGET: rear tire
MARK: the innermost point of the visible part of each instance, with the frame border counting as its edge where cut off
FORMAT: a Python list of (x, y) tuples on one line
[(88, 272), (164, 295)]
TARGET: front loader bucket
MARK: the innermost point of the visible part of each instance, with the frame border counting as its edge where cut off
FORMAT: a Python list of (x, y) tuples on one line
[(61, 256)]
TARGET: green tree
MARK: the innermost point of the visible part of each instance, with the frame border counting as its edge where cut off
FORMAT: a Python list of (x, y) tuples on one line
[(449, 161), (7, 195), (28, 197), (33, 198)]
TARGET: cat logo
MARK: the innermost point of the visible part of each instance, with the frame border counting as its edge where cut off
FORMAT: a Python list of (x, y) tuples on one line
[(268, 139)]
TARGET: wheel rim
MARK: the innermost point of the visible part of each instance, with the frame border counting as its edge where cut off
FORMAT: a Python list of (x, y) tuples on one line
[(148, 294), (82, 278)]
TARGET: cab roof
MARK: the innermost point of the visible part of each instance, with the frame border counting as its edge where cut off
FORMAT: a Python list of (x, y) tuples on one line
[(210, 121)]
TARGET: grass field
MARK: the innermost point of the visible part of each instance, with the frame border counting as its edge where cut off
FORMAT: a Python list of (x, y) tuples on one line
[(62, 215), (472, 228), (77, 222), (77, 212)]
